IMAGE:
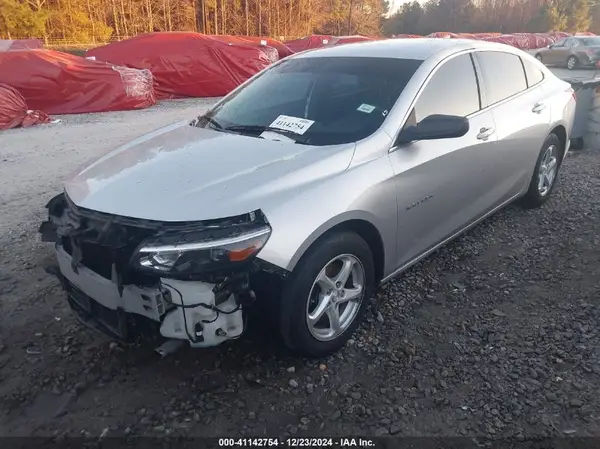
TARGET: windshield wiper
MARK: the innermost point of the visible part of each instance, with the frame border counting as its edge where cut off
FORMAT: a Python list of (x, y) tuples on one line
[(298, 138), (214, 123), (211, 121)]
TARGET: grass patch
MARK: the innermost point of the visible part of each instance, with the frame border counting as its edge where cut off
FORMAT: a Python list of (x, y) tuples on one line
[(73, 51)]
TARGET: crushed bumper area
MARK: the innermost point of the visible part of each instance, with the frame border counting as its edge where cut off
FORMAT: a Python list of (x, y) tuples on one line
[(183, 310), (94, 252), (130, 316), (113, 323)]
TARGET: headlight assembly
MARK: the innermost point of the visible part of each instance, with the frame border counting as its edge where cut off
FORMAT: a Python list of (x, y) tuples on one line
[(190, 258)]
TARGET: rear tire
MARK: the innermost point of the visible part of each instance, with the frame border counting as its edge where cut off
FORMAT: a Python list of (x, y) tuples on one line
[(312, 288), (572, 63), (545, 174)]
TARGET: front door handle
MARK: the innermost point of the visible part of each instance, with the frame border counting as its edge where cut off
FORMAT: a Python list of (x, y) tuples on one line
[(485, 133), (538, 107)]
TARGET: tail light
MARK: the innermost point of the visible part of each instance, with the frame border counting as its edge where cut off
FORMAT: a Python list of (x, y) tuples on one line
[(572, 92)]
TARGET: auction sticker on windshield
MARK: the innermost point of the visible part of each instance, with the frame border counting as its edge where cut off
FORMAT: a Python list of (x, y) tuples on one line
[(293, 124), (366, 108)]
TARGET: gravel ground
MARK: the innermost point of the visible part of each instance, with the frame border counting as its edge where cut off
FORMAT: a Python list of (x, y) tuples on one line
[(495, 335)]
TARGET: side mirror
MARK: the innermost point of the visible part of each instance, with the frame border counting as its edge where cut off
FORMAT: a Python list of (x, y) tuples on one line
[(435, 127)]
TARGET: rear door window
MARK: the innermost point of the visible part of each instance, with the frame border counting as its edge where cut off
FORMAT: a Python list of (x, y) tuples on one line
[(452, 90), (503, 75)]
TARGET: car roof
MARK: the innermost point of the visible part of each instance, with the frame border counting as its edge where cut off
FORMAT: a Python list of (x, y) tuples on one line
[(420, 48)]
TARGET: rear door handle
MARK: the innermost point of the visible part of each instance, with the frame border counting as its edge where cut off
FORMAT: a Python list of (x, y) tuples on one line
[(538, 107), (485, 133)]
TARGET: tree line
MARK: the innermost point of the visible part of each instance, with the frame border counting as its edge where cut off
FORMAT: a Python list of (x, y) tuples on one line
[(90, 22), (501, 16)]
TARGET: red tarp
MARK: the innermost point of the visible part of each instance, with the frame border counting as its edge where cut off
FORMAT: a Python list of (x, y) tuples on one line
[(14, 111), (486, 35), (59, 83), (342, 40), (443, 35), (281, 48), (507, 39), (308, 42), (20, 44), (188, 64), (524, 41), (448, 35), (406, 36), (269, 46), (465, 36)]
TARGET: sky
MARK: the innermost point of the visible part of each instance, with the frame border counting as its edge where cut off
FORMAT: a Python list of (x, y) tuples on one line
[(395, 5)]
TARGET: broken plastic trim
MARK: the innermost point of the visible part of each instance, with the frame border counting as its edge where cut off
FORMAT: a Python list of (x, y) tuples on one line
[(122, 237)]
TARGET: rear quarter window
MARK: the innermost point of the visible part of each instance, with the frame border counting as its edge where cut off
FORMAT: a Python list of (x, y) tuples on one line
[(503, 75), (533, 73)]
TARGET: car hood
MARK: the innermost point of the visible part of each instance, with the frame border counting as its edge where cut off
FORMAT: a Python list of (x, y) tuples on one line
[(184, 173)]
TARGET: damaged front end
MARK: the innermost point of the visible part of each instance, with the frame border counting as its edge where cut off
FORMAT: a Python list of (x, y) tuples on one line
[(134, 278)]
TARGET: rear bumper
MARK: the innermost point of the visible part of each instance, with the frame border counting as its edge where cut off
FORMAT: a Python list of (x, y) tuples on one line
[(590, 62)]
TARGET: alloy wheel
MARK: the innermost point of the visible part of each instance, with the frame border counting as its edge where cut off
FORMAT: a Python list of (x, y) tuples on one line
[(548, 169), (335, 297)]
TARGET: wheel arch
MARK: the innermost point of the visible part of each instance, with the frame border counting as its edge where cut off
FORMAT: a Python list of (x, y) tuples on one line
[(561, 133), (359, 225)]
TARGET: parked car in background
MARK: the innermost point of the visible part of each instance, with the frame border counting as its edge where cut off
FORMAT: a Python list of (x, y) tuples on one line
[(572, 52), (318, 179)]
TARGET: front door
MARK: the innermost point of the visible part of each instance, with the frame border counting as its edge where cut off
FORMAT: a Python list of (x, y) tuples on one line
[(442, 184), (558, 54)]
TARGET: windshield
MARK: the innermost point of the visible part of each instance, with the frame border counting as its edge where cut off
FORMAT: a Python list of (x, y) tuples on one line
[(316, 101), (590, 41)]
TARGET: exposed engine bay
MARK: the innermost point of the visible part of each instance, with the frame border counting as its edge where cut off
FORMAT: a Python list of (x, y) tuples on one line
[(134, 278)]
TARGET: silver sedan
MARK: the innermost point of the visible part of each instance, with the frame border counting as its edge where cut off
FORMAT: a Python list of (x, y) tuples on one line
[(301, 191)]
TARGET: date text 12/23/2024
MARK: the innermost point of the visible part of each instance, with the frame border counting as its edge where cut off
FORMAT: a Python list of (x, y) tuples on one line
[(296, 442)]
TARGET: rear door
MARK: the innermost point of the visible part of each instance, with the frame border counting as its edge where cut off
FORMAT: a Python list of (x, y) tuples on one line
[(522, 116), (442, 184)]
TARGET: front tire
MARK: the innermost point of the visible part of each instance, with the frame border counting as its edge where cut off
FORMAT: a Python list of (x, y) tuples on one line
[(572, 63), (326, 297), (545, 174)]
